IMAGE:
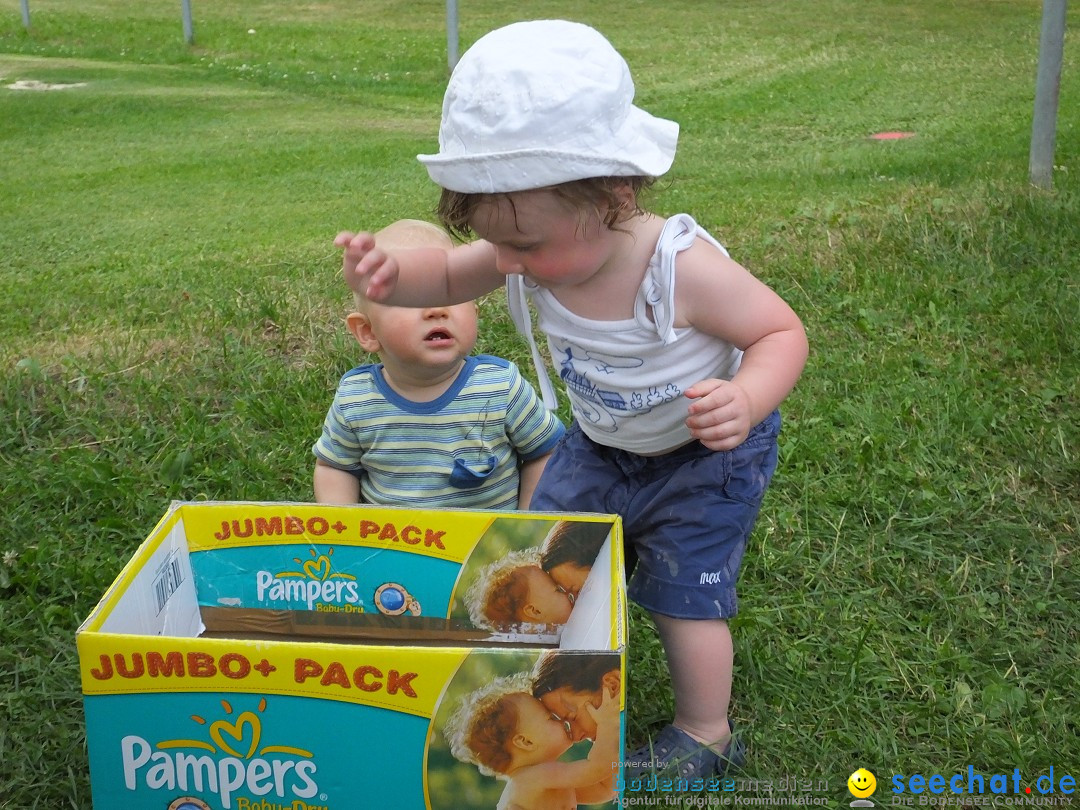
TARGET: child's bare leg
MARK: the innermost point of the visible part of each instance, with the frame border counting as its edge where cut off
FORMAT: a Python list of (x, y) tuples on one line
[(412, 233), (700, 657)]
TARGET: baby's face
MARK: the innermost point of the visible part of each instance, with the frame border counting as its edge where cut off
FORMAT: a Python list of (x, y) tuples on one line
[(570, 577), (546, 603), (431, 336), (548, 735)]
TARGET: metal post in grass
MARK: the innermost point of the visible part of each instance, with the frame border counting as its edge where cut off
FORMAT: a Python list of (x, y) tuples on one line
[(1047, 88), (189, 29), (451, 34), (26, 14)]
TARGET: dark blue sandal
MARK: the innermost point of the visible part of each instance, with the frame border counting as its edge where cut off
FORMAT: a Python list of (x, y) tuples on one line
[(675, 754)]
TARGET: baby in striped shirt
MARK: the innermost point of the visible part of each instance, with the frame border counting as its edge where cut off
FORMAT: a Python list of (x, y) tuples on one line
[(430, 424)]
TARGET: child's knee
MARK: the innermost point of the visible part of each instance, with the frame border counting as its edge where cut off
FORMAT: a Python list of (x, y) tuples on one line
[(412, 233)]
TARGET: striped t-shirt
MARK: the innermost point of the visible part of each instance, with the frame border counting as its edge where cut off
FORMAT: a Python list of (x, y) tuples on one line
[(461, 450)]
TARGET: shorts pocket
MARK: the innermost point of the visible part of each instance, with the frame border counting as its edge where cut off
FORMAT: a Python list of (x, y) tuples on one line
[(753, 462)]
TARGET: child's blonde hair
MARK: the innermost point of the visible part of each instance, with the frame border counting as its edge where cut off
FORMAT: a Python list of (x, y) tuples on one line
[(500, 590), (481, 727)]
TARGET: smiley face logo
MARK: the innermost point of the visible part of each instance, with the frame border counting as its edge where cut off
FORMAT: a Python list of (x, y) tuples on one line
[(861, 783)]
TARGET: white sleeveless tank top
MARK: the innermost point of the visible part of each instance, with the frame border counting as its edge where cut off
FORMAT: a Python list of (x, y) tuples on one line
[(626, 378)]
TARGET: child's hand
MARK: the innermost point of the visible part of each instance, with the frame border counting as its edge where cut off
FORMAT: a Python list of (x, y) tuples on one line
[(367, 269), (605, 747), (606, 715), (719, 415)]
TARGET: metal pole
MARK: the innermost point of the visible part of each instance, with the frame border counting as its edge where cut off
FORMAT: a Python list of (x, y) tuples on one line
[(26, 14), (1047, 88), (189, 29), (451, 34)]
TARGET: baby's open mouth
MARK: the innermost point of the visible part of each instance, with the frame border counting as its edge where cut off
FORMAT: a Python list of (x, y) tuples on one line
[(438, 334)]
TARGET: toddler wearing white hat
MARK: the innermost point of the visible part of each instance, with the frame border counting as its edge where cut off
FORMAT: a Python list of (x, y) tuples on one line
[(540, 103), (674, 357)]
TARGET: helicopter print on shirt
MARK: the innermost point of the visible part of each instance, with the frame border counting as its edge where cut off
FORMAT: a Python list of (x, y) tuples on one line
[(603, 407)]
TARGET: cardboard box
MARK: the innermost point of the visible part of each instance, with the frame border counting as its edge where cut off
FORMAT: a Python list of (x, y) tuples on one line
[(272, 656)]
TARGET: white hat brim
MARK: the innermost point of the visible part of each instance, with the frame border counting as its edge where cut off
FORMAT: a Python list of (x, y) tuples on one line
[(643, 145)]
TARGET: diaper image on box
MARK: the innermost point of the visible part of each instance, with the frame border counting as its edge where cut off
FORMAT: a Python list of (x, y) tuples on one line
[(262, 656)]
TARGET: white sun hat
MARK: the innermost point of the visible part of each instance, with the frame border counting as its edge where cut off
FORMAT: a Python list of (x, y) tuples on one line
[(543, 102)]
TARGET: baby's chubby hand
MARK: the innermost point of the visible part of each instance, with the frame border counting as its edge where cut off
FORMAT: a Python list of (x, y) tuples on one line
[(719, 417), (368, 270)]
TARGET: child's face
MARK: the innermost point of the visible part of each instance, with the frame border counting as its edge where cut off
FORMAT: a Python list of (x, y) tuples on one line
[(569, 706), (546, 602), (570, 577), (547, 736), (429, 339), (539, 235)]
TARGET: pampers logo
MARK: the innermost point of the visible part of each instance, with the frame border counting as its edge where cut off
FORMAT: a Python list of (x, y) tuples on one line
[(315, 583), (235, 759)]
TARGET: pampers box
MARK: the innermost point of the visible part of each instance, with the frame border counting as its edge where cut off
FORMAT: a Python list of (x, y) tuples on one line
[(273, 656)]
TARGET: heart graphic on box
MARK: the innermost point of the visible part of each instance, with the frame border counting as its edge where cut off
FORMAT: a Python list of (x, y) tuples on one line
[(237, 732), (318, 569)]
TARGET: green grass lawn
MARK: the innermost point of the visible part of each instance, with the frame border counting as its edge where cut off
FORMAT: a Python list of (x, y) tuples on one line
[(170, 328)]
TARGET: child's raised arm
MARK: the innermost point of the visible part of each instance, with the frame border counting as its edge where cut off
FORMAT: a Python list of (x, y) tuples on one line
[(417, 277)]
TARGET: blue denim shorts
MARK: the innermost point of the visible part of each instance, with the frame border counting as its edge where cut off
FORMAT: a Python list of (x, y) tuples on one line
[(687, 514)]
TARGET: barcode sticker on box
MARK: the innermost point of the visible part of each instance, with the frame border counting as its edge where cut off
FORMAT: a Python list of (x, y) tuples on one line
[(169, 577)]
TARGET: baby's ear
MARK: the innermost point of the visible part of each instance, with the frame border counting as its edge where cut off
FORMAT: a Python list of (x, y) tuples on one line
[(531, 612), (611, 682), (626, 201), (360, 327), (519, 740)]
